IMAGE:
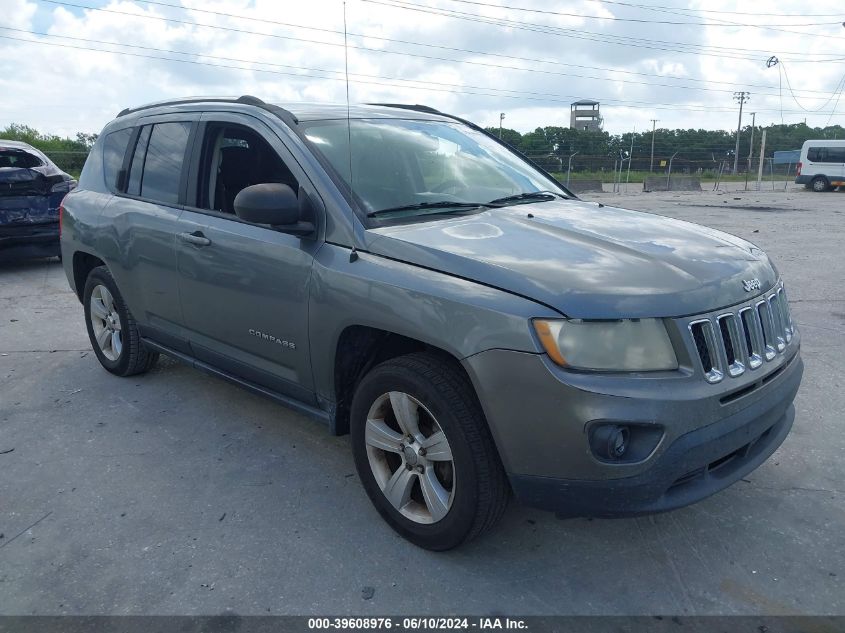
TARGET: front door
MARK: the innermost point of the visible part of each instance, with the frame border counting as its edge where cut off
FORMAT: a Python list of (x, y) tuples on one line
[(244, 287)]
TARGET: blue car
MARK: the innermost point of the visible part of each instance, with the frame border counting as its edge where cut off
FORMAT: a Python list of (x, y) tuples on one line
[(31, 191)]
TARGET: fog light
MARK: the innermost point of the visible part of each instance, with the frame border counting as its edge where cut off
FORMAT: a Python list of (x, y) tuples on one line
[(610, 441)]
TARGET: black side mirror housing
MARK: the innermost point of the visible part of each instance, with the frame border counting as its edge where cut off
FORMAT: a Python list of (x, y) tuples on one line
[(269, 203), (277, 205)]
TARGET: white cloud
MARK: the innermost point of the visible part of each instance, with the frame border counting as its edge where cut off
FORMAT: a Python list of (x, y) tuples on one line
[(65, 89)]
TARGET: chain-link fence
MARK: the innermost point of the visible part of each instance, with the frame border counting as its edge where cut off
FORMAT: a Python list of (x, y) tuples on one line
[(68, 161), (578, 169)]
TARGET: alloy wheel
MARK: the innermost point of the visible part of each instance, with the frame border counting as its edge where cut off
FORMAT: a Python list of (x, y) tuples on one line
[(105, 323), (410, 457)]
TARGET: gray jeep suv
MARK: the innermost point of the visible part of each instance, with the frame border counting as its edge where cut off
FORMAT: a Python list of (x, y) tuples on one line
[(405, 277)]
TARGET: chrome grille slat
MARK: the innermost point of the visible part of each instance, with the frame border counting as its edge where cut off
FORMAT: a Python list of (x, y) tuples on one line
[(765, 314), (734, 342), (784, 310), (715, 354), (751, 321), (777, 321), (743, 338)]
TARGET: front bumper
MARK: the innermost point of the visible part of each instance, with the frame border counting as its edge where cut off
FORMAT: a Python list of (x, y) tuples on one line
[(540, 415), (29, 240)]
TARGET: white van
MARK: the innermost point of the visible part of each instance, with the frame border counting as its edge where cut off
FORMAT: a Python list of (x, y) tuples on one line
[(822, 165)]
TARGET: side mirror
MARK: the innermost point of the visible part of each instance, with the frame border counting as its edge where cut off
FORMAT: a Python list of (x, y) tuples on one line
[(270, 203)]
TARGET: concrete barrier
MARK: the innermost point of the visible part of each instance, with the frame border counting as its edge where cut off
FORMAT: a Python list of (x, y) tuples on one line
[(585, 185), (676, 183)]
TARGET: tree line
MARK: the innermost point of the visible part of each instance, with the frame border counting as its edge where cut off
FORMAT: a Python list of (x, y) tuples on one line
[(68, 153), (551, 146)]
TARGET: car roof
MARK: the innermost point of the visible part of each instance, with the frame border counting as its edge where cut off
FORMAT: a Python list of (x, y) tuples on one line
[(823, 142), (9, 144)]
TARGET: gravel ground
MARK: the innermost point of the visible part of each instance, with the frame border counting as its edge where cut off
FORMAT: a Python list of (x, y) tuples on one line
[(177, 493)]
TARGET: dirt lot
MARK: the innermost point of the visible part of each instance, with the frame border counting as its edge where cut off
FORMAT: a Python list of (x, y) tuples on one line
[(175, 492)]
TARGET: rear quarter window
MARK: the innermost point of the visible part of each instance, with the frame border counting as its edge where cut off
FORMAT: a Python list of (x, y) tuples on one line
[(164, 161), (114, 149)]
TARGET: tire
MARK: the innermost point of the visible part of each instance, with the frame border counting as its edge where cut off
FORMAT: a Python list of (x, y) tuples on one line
[(122, 352), (437, 397), (819, 184)]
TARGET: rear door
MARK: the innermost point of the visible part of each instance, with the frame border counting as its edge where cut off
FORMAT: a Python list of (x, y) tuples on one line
[(244, 287), (141, 224)]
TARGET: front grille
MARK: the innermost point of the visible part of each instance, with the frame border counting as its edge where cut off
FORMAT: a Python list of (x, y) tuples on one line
[(730, 343)]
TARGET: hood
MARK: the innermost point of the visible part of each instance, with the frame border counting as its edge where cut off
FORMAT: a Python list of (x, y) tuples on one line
[(584, 260)]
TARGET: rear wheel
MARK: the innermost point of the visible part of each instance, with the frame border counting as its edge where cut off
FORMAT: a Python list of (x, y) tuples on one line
[(820, 183), (424, 453), (112, 329)]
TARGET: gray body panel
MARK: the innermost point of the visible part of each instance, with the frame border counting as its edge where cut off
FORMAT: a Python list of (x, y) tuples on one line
[(248, 285), (465, 285), (586, 261)]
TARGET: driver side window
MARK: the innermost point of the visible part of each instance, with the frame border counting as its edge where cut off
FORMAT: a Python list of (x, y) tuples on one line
[(235, 157)]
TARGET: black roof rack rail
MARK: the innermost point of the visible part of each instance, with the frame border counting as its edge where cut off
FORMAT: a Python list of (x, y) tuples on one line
[(429, 110), (283, 114), (408, 106)]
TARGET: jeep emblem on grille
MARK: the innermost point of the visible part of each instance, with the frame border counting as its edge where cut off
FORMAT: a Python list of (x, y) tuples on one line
[(751, 284)]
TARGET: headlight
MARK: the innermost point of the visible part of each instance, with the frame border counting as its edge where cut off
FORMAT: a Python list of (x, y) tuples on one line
[(625, 345)]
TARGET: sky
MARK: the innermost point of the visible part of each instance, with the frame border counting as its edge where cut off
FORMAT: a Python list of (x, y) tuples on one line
[(65, 68)]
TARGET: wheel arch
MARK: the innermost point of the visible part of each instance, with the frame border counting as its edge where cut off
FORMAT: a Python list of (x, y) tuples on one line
[(83, 264), (360, 348)]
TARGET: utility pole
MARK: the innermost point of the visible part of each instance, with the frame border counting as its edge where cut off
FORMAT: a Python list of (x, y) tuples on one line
[(651, 163), (751, 144), (501, 119), (750, 148), (762, 156), (741, 97)]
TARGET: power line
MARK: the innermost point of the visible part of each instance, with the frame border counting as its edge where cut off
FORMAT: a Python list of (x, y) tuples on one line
[(580, 34), (253, 61), (781, 66), (636, 20), (676, 47), (386, 39), (429, 86), (777, 15)]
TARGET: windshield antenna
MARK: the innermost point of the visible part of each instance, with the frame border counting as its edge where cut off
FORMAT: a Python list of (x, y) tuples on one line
[(353, 256)]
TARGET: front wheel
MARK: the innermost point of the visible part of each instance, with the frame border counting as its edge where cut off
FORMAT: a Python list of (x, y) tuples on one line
[(424, 453), (111, 327)]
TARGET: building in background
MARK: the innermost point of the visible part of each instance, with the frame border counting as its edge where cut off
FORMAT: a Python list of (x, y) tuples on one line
[(585, 115)]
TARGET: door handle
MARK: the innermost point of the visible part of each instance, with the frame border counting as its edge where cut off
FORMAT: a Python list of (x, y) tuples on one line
[(196, 238)]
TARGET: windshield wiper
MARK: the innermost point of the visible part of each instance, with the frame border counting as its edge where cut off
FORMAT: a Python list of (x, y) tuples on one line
[(440, 204), (528, 196)]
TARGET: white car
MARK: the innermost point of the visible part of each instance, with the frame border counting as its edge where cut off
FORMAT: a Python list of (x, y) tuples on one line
[(822, 165)]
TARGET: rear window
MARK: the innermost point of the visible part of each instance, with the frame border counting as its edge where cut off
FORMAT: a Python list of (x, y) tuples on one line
[(10, 157), (826, 154), (159, 156), (114, 149), (137, 167), (163, 165)]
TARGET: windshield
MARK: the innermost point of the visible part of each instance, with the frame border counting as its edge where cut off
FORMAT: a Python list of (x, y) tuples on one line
[(399, 163)]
